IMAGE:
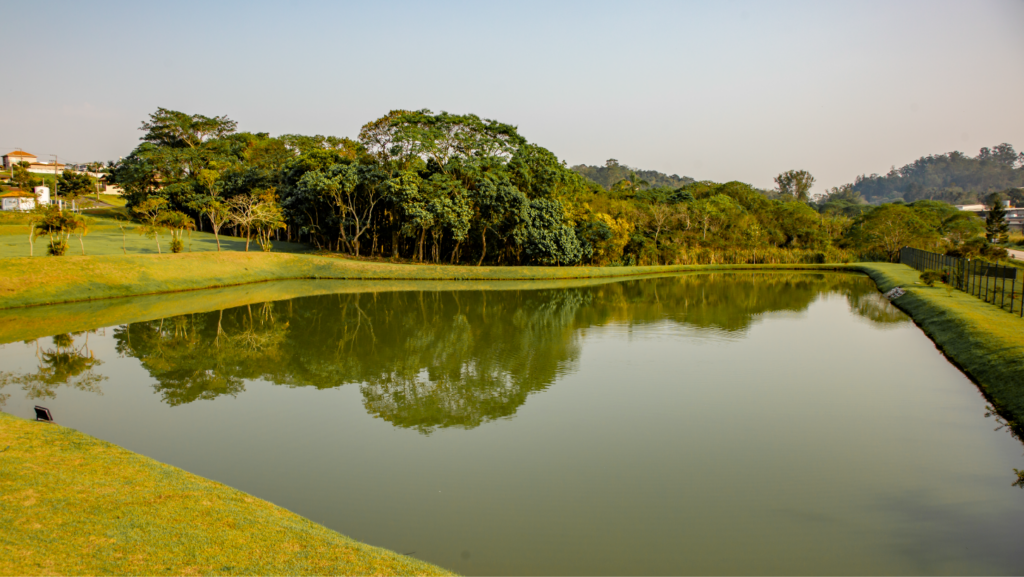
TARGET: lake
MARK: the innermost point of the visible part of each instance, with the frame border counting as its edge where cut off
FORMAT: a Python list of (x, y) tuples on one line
[(724, 423)]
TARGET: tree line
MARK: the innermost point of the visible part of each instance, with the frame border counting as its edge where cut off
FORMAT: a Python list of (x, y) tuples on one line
[(446, 188), (953, 177)]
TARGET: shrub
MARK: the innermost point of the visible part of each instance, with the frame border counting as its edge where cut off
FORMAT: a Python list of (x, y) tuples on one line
[(929, 277), (57, 248), (177, 245)]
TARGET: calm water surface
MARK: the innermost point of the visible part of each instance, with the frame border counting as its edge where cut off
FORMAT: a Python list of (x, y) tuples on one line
[(690, 424)]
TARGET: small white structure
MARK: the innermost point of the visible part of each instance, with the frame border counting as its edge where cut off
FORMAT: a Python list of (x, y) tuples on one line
[(21, 200), (17, 200), (42, 195)]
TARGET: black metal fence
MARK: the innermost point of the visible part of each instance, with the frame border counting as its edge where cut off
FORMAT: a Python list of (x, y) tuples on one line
[(993, 283)]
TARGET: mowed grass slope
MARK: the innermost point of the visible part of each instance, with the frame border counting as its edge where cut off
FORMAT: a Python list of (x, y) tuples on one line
[(986, 342), (27, 282), (71, 504)]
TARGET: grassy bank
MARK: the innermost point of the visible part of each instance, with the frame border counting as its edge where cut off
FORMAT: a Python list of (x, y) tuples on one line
[(74, 505), (986, 342), (28, 282)]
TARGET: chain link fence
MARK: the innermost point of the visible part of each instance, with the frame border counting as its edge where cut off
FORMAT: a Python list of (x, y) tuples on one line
[(992, 283)]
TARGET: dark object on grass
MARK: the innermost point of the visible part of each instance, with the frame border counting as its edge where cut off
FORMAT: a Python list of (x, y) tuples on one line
[(43, 414)]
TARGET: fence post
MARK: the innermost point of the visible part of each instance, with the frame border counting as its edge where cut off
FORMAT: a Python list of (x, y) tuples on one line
[(1002, 291)]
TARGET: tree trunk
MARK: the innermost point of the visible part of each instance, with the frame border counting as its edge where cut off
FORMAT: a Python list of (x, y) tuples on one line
[(483, 241)]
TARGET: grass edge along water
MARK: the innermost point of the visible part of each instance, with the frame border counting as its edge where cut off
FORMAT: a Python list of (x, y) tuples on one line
[(75, 505)]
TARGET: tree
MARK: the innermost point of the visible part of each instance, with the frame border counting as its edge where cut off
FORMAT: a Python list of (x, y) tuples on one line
[(629, 187), (961, 227), (22, 178), (59, 226), (244, 213), (73, 184), (660, 214), (148, 213), (178, 130), (122, 221), (218, 213), (35, 218), (548, 238), (268, 217), (177, 222), (82, 228), (796, 183), (996, 227), (890, 227)]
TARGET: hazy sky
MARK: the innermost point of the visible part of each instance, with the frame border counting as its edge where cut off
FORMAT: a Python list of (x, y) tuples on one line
[(713, 90)]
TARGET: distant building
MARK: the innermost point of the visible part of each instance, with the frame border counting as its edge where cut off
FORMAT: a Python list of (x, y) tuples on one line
[(16, 156), (1014, 216), (46, 167)]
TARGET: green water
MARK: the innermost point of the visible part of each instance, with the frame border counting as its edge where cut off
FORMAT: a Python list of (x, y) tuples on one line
[(691, 424)]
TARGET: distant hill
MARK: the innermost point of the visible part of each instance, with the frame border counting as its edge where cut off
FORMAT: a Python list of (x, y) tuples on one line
[(613, 172), (953, 177)]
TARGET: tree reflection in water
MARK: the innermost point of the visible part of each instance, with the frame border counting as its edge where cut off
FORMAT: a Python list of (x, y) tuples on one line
[(63, 364), (428, 360)]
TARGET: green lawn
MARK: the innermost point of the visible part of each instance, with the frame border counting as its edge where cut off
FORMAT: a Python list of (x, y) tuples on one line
[(71, 504), (104, 237)]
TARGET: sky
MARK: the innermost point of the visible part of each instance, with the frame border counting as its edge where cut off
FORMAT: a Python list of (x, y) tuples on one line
[(719, 91)]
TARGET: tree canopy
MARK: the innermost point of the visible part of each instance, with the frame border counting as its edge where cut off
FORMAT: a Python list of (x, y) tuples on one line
[(457, 188)]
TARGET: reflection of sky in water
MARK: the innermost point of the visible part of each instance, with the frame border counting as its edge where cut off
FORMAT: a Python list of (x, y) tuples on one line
[(645, 427)]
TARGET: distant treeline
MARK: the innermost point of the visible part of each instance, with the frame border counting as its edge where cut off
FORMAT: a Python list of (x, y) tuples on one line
[(953, 177), (612, 173), (449, 188)]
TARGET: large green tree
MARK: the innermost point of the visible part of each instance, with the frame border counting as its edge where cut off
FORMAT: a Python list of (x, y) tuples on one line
[(795, 183)]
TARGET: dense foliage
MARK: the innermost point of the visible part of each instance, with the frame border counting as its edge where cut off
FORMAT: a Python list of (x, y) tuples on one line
[(452, 188), (612, 172), (953, 177)]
